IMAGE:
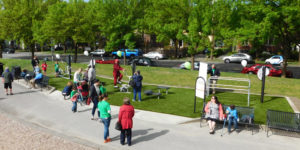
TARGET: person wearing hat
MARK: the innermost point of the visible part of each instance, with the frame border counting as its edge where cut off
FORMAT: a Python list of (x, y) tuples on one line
[(95, 93), (7, 79), (116, 73)]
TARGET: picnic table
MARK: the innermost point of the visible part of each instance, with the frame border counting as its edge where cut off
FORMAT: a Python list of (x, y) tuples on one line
[(163, 87)]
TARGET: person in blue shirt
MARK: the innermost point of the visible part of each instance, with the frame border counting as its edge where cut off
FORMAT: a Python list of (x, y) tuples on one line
[(232, 117), (38, 78), (137, 88)]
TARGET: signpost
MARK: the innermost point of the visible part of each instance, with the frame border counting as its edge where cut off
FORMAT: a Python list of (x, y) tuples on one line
[(200, 84), (261, 74)]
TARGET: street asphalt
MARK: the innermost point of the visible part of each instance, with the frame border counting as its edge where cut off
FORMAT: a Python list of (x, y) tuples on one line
[(151, 131)]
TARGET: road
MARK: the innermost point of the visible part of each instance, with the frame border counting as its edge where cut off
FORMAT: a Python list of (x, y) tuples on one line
[(232, 67), (54, 115)]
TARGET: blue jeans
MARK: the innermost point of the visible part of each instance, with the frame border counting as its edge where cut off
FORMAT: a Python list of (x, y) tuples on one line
[(95, 105), (137, 90), (230, 120), (106, 123), (74, 108)]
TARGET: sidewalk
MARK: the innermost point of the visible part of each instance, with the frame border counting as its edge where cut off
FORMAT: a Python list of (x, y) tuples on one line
[(151, 130)]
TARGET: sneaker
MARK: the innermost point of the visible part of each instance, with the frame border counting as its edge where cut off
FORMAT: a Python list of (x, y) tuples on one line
[(7, 94), (119, 82), (11, 94), (107, 140), (116, 87), (92, 118), (133, 100), (139, 100)]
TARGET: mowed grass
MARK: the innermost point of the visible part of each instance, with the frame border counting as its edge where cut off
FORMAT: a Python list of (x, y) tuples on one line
[(179, 101)]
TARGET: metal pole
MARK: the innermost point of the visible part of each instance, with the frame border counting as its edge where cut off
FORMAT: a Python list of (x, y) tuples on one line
[(69, 63), (263, 84)]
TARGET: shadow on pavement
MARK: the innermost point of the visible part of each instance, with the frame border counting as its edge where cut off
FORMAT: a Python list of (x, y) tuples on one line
[(25, 92), (145, 136)]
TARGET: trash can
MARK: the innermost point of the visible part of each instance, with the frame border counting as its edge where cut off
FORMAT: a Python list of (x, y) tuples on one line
[(16, 71), (1, 68)]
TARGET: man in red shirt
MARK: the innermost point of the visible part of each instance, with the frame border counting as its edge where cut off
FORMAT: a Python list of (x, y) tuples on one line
[(116, 73)]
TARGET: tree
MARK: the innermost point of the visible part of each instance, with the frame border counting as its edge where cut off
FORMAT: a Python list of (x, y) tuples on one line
[(167, 19), (118, 23)]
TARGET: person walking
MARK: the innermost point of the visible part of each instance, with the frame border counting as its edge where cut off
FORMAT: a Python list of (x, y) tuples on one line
[(94, 95), (215, 73), (137, 88), (105, 115), (91, 75), (74, 96), (232, 117), (7, 79), (116, 73), (35, 62), (126, 114), (77, 77), (214, 112), (44, 67)]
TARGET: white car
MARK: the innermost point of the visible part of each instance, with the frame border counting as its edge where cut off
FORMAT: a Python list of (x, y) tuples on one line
[(275, 60), (99, 52), (154, 55)]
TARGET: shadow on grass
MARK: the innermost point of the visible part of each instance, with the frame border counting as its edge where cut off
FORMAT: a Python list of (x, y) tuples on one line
[(272, 99)]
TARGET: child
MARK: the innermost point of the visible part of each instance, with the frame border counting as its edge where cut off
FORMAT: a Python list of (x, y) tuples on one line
[(67, 90), (117, 74), (23, 73), (84, 89), (102, 89), (44, 67), (232, 117), (7, 79), (56, 68), (74, 96)]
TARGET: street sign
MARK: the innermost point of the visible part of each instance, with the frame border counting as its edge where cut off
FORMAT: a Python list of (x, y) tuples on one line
[(200, 84), (260, 73)]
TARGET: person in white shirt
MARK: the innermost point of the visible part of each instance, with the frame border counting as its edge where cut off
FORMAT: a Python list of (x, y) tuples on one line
[(77, 76)]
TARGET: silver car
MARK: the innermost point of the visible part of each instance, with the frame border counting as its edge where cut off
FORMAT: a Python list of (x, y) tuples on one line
[(237, 58), (98, 52)]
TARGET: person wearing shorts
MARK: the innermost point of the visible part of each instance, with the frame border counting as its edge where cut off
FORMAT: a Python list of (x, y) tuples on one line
[(7, 80)]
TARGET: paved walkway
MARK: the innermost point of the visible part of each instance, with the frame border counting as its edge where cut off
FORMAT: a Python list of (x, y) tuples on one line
[(151, 130)]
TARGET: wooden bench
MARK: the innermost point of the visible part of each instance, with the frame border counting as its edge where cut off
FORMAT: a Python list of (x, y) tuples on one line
[(283, 121), (245, 115)]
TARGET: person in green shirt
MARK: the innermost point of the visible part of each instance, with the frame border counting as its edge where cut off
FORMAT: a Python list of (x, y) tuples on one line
[(105, 115), (74, 96), (102, 89), (56, 68)]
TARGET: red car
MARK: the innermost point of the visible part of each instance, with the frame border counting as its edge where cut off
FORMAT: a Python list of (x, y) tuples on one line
[(274, 71)]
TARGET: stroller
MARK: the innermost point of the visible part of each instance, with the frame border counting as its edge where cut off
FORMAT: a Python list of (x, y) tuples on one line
[(83, 91)]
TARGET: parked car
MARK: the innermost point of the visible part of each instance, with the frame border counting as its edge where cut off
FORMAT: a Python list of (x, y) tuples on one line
[(196, 66), (274, 71), (142, 61), (275, 60), (131, 53), (8, 50), (154, 55), (238, 58), (98, 52)]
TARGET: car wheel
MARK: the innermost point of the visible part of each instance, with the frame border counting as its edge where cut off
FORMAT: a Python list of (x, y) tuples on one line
[(131, 57), (114, 57), (267, 62), (226, 61), (156, 57), (281, 64)]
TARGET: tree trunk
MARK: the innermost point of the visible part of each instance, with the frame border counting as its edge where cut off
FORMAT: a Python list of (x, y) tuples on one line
[(75, 53), (1, 48), (299, 54), (285, 57), (124, 57), (32, 50), (65, 48), (192, 60)]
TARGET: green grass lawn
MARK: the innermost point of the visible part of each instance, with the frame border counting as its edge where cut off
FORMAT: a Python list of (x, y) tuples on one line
[(180, 101)]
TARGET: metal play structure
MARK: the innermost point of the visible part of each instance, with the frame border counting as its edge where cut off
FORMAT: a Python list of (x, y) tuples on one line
[(229, 86)]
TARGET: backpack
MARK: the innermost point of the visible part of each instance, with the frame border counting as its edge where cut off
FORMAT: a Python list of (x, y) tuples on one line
[(132, 83)]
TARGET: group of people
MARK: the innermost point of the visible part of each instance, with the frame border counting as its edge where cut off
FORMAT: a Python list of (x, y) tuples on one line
[(214, 112)]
